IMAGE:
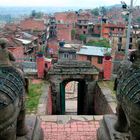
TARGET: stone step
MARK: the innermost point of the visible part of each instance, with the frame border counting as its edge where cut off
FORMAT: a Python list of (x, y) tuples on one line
[(70, 127), (69, 118)]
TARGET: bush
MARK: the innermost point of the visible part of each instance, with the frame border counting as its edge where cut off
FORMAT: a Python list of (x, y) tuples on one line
[(101, 43)]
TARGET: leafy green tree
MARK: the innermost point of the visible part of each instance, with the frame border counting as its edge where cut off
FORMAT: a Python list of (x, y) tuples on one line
[(103, 10), (33, 14), (101, 43), (82, 38), (39, 14), (138, 19), (95, 11), (73, 33)]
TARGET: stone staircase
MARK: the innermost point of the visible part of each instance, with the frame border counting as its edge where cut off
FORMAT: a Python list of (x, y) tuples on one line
[(70, 127)]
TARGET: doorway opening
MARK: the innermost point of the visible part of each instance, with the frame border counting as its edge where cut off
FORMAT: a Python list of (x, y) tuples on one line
[(72, 97)]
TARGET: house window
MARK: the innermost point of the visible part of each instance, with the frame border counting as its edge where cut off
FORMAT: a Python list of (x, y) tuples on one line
[(112, 29), (89, 58), (119, 47), (130, 39), (120, 39), (85, 27), (130, 46), (65, 55), (100, 60)]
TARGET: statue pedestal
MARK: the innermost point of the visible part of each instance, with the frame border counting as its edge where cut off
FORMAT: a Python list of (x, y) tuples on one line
[(35, 131), (107, 131)]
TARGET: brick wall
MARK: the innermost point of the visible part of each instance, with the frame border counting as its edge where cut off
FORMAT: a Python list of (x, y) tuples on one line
[(66, 17), (40, 67), (94, 61), (18, 52), (53, 46), (107, 69), (104, 102), (64, 32)]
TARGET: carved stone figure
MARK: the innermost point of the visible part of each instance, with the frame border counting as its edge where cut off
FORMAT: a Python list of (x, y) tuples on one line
[(12, 110), (12, 96), (125, 125), (128, 96), (5, 55)]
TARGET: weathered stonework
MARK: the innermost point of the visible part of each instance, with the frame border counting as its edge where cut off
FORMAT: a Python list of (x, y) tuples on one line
[(65, 71)]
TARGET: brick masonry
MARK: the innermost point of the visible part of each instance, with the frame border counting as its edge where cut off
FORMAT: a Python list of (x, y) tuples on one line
[(40, 67), (72, 130)]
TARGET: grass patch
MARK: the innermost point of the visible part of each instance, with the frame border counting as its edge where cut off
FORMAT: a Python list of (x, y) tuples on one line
[(108, 84), (32, 99)]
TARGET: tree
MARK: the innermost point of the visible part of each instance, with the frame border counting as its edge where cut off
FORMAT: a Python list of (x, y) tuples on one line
[(33, 14), (39, 14), (82, 38), (138, 19), (73, 33), (103, 11), (95, 12), (101, 43)]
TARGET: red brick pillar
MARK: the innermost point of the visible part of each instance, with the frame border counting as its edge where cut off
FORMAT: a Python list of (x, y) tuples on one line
[(40, 66), (107, 68)]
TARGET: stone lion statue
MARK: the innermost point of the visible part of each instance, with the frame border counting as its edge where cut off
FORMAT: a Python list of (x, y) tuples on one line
[(12, 96), (127, 86)]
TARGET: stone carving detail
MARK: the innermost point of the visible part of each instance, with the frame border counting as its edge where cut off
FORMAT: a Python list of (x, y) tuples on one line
[(128, 96), (126, 124), (12, 116)]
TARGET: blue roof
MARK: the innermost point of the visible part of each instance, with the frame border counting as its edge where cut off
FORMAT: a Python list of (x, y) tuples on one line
[(93, 50)]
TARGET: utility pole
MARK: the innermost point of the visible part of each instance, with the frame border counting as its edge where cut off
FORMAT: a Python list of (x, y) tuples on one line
[(128, 30), (101, 26), (101, 13)]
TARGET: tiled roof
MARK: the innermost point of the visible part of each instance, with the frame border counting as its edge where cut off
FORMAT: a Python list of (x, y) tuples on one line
[(31, 24), (11, 27)]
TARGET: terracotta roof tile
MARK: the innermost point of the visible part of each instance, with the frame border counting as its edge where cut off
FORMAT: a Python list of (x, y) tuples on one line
[(31, 24)]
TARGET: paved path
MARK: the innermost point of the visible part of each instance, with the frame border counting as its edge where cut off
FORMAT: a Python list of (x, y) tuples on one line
[(70, 127)]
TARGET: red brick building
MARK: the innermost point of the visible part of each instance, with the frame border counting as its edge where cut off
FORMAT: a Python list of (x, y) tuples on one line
[(110, 29), (53, 47), (66, 17), (32, 25), (18, 52), (64, 32), (84, 24), (94, 54)]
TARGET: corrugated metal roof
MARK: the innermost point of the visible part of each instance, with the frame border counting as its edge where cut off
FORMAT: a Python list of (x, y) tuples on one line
[(24, 41), (93, 50)]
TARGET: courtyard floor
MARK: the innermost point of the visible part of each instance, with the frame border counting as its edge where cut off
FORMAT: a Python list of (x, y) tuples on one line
[(70, 127)]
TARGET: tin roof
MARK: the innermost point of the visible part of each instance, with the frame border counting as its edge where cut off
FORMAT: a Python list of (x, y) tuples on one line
[(93, 50), (24, 41)]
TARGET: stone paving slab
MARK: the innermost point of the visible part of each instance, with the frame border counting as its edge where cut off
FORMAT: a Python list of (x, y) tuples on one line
[(69, 127), (63, 119), (76, 130)]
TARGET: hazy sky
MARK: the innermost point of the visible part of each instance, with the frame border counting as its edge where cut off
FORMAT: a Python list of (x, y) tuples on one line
[(64, 3)]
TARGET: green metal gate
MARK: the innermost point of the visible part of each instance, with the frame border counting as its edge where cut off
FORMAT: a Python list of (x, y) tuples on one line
[(62, 98)]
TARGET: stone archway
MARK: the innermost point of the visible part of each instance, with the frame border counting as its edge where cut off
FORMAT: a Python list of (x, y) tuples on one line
[(81, 95), (65, 71)]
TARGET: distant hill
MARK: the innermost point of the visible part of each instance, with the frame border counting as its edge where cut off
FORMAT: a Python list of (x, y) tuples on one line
[(116, 5), (16, 11)]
